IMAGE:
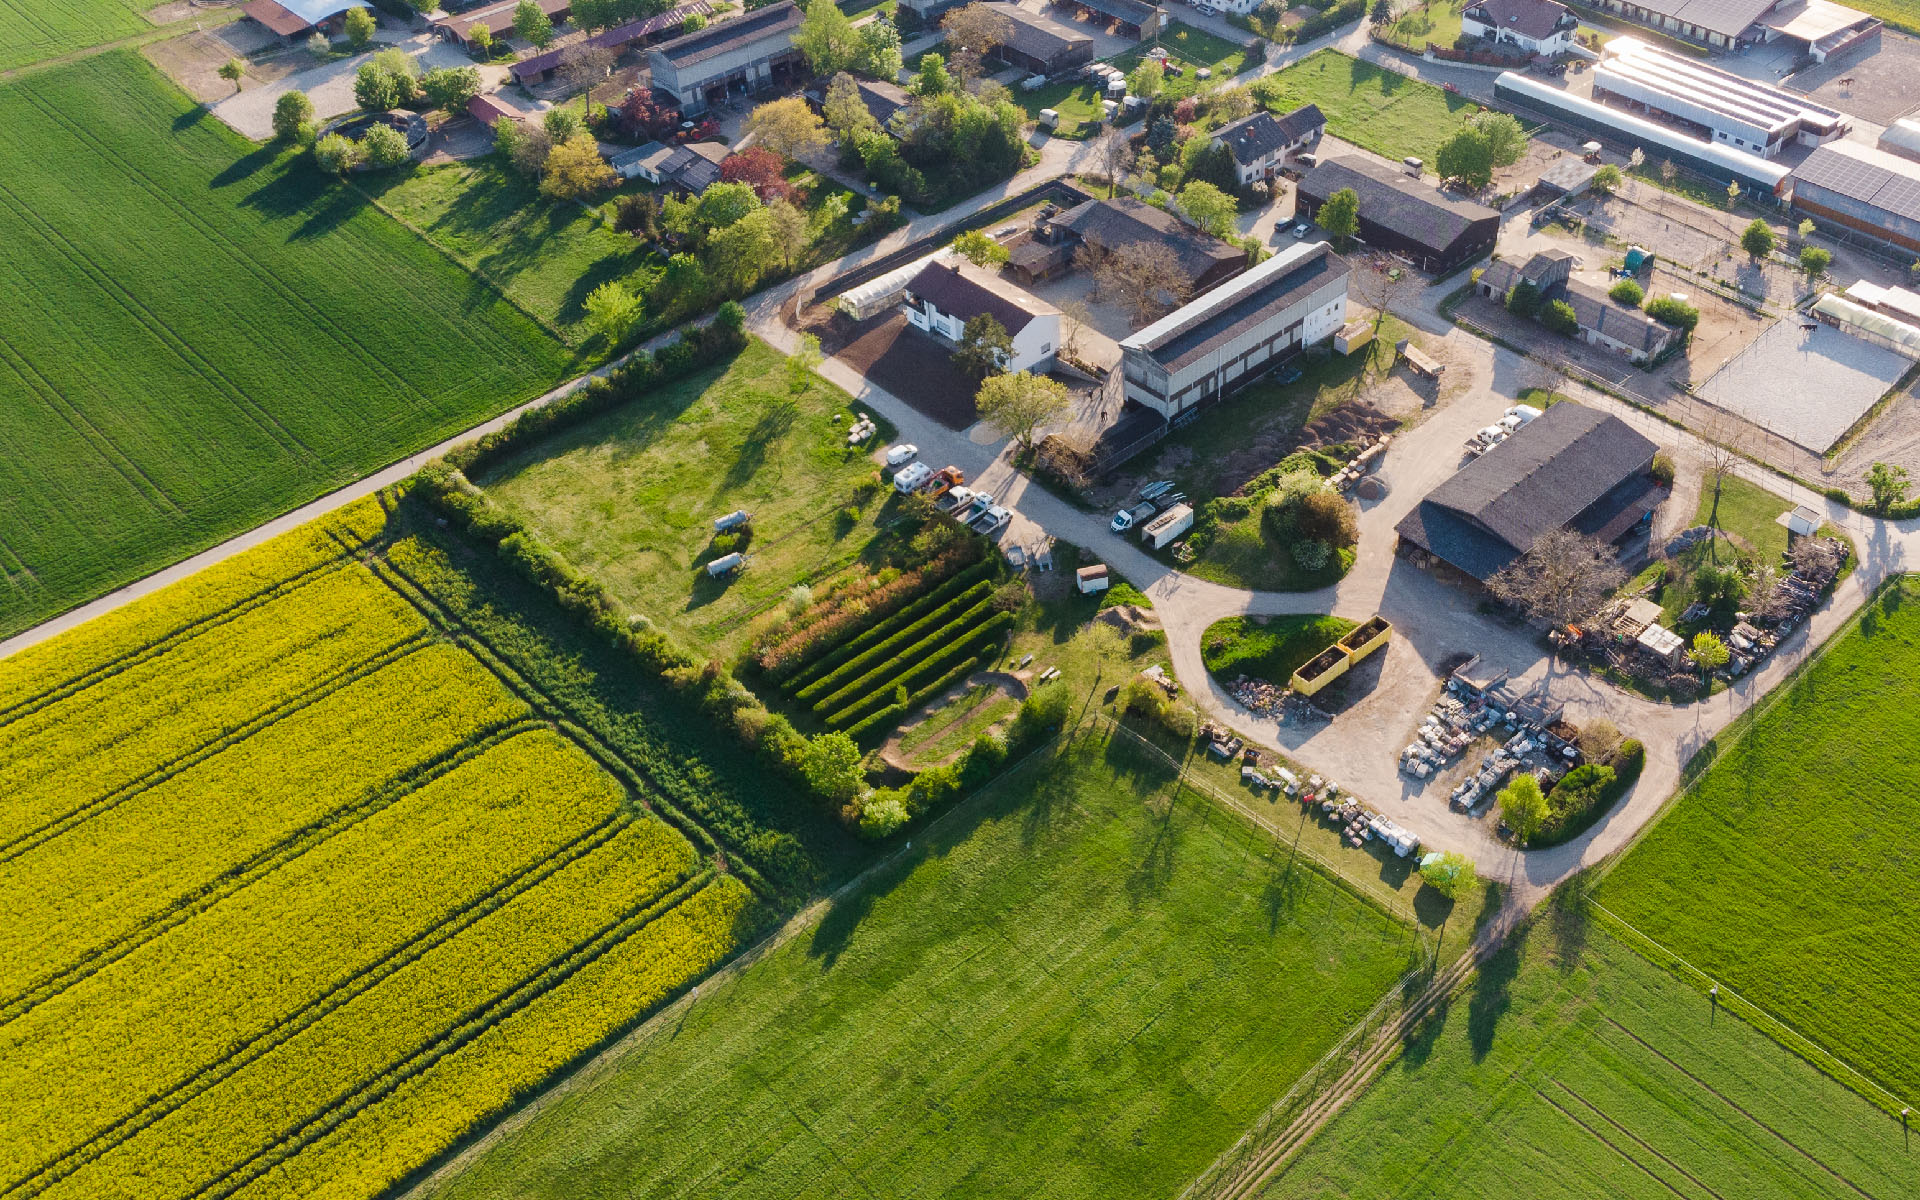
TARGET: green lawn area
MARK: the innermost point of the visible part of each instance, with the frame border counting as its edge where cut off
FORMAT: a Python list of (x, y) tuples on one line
[(1378, 109), (1572, 1069), (1270, 648), (199, 335), (1903, 14), (547, 256), (1194, 48), (1081, 984), (1077, 103), (38, 30), (1436, 23), (630, 496), (1785, 870)]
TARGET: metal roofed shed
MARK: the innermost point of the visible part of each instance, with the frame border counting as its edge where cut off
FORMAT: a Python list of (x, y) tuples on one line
[(291, 18), (1897, 302), (1869, 326), (1724, 23), (498, 18), (1901, 138), (1572, 467), (617, 39), (1717, 162), (1710, 103), (877, 295), (1401, 215), (1661, 642), (1091, 579), (1039, 44), (1799, 521)]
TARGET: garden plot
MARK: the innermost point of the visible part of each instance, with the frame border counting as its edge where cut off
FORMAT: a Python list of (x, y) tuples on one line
[(1806, 382)]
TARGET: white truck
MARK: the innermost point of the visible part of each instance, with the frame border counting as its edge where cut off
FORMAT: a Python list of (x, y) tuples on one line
[(1168, 526)]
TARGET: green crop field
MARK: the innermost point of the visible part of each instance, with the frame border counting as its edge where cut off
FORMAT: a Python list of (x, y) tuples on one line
[(1785, 871), (1576, 1069), (325, 856), (1075, 986), (1379, 109), (630, 497), (1270, 648), (41, 29), (197, 338)]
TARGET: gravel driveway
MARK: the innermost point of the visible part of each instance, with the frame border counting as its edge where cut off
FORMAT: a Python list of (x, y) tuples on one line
[(331, 87)]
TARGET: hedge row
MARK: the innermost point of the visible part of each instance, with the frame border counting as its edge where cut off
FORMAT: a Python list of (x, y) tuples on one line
[(853, 668), (918, 669), (910, 645), (1587, 793), (893, 712), (913, 610)]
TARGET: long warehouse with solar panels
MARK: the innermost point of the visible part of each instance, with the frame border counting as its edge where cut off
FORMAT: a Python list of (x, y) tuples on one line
[(1862, 189), (1711, 104)]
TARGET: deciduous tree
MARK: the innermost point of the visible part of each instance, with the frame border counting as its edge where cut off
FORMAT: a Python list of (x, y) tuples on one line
[(1019, 403), (739, 253), (845, 112), (1561, 579), (1757, 239), (789, 228), (1340, 215), (1560, 317), (574, 170), (451, 89), (1523, 806), (612, 311), (880, 49), (933, 78), (803, 362), (1709, 652), (384, 147), (985, 347), (233, 71), (1814, 262), (760, 169), (531, 22), (562, 125), (1506, 140), (972, 32), (827, 38), (1147, 78), (585, 65), (832, 767), (1451, 873), (335, 154), (292, 114), (1145, 278), (722, 204), (387, 80), (1208, 207), (1467, 158), (1888, 483), (636, 214), (787, 126), (480, 41), (1606, 180), (644, 115), (359, 28), (977, 248)]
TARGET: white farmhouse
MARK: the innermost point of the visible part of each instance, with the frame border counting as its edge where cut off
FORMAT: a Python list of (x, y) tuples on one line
[(1262, 143), (947, 293), (1536, 26)]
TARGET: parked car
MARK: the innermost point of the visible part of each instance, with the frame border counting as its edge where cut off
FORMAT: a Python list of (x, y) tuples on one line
[(980, 503), (1302, 229), (1520, 414), (899, 456), (992, 520), (955, 500)]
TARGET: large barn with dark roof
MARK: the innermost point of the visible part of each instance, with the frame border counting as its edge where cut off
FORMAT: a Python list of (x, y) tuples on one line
[(1573, 467), (1401, 215)]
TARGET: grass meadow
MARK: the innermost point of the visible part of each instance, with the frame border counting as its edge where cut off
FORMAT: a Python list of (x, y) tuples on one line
[(199, 335), (1573, 1068), (1270, 648), (1381, 110), (320, 859), (1079, 984), (43, 29), (630, 496), (1785, 870)]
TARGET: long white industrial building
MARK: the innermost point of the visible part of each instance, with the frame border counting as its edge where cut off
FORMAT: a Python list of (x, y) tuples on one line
[(1710, 103)]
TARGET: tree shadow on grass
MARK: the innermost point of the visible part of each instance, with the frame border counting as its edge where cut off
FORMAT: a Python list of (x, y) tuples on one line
[(246, 165), (775, 423), (1492, 993), (301, 193)]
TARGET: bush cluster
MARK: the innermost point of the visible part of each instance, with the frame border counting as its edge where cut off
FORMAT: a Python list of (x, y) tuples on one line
[(884, 810), (1587, 793)]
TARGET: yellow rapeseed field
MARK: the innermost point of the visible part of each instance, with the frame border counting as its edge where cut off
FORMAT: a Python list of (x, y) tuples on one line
[(300, 890)]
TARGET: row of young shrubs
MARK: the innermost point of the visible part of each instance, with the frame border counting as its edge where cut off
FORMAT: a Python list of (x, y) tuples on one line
[(862, 653), (928, 658), (886, 624), (1587, 793), (793, 653), (874, 724), (860, 676)]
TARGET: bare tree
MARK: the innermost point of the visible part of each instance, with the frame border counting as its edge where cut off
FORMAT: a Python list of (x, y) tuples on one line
[(584, 66), (1146, 278), (1721, 443), (1075, 319), (1562, 579), (972, 32), (1381, 290), (1549, 376), (1116, 155)]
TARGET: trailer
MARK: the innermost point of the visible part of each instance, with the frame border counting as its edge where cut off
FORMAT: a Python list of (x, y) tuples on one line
[(732, 520), (1418, 361), (1167, 526), (726, 564), (1091, 579)]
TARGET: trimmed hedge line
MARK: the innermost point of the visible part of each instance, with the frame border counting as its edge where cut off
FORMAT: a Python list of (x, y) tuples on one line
[(945, 590), (853, 668), (967, 643), (894, 712), (1587, 793), (910, 645)]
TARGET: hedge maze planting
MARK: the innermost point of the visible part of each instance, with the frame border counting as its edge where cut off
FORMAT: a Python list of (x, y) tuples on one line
[(305, 878), (922, 647)]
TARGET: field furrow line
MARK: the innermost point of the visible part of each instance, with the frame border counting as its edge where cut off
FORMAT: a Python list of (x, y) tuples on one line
[(16, 569), (476, 1021), (278, 855), (349, 674), (148, 319), (1643, 1143), (272, 283), (116, 459), (1597, 1136), (142, 653), (212, 1074), (1717, 1094)]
